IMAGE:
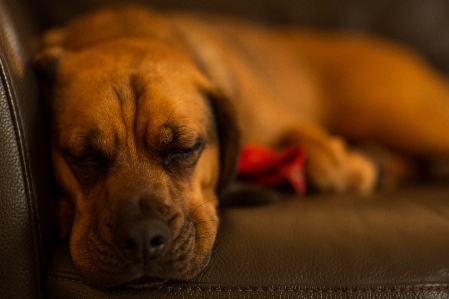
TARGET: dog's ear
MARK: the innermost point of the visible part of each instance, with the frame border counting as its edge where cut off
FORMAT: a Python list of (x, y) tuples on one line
[(229, 138), (66, 216), (45, 66), (47, 63), (230, 192)]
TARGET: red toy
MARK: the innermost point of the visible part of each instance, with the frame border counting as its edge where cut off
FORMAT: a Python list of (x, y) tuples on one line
[(263, 166)]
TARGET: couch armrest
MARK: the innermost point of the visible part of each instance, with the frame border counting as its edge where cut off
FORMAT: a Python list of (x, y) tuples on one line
[(25, 178)]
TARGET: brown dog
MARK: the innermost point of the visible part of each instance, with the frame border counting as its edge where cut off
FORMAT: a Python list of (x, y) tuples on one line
[(148, 111)]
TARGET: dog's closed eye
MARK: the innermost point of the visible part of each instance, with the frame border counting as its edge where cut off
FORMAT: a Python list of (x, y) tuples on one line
[(88, 167), (85, 159), (89, 157), (183, 158)]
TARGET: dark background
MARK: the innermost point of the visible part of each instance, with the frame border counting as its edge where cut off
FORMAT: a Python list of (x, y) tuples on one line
[(423, 24)]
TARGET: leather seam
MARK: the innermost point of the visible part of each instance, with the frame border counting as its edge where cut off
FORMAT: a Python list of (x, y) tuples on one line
[(305, 290), (64, 279), (341, 290)]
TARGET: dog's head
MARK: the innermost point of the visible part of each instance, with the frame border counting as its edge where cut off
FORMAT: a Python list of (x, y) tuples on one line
[(142, 144)]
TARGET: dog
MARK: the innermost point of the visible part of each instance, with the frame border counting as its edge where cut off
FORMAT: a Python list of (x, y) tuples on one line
[(149, 112)]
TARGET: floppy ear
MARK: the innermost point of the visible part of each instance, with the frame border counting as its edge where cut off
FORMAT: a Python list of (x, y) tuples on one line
[(228, 138), (230, 192), (45, 66), (47, 63), (66, 216)]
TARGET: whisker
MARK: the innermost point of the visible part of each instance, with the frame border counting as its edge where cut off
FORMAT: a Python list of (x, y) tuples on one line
[(165, 123), (206, 237), (202, 205), (211, 220)]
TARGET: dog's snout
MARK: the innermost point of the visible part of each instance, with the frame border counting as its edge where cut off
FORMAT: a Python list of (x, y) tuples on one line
[(141, 235), (146, 237)]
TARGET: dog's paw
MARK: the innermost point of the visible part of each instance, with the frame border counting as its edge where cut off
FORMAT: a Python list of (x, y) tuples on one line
[(334, 167), (240, 194)]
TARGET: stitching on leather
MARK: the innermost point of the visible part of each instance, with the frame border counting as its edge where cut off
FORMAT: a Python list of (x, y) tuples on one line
[(404, 289), (64, 279), (343, 290)]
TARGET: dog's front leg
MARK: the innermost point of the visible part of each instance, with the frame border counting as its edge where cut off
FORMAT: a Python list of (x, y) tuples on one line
[(331, 165)]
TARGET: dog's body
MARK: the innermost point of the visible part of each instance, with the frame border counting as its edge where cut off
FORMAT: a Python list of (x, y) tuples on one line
[(148, 112)]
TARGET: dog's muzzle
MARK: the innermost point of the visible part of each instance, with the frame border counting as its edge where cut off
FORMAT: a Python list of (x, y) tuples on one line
[(141, 236), (140, 242)]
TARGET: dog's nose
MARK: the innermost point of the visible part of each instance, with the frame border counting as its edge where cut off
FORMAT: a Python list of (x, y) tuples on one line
[(141, 236)]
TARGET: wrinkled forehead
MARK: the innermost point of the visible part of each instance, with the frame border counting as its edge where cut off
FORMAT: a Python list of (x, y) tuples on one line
[(118, 92)]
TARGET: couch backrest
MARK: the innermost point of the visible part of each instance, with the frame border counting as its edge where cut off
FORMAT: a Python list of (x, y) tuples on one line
[(421, 24), (26, 221)]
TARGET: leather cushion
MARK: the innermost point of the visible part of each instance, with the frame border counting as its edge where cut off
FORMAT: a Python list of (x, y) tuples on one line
[(393, 245)]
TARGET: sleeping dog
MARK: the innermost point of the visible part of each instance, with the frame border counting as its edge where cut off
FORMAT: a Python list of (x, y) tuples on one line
[(149, 111)]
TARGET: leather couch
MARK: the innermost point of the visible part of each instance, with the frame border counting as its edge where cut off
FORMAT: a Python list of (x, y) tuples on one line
[(393, 244)]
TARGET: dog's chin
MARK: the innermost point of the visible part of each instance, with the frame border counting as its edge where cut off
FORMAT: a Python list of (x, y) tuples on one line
[(102, 266), (100, 280)]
